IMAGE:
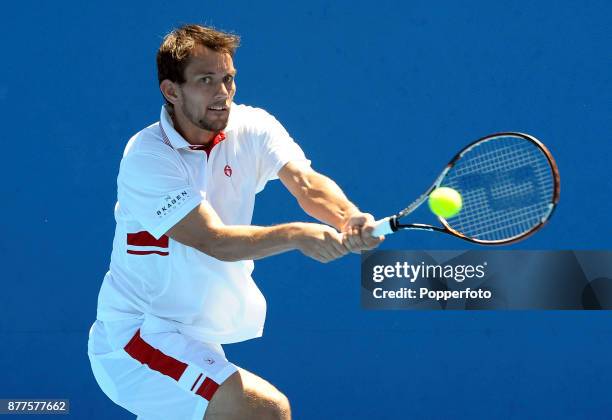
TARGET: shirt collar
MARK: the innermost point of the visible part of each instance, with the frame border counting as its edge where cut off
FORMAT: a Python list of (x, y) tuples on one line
[(173, 139), (169, 135)]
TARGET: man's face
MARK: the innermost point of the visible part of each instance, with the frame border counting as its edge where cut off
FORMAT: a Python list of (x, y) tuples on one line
[(209, 88)]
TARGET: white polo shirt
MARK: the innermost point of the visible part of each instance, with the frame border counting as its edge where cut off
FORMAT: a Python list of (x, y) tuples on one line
[(161, 179)]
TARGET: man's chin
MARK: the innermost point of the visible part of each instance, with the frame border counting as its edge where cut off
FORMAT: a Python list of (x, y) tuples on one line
[(215, 126)]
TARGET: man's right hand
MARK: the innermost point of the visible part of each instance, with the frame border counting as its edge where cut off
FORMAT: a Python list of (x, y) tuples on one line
[(320, 242)]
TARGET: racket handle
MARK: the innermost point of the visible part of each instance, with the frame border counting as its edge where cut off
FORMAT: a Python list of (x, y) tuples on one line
[(382, 227)]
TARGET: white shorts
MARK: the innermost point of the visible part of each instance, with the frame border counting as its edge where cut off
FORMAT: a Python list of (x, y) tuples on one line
[(156, 375)]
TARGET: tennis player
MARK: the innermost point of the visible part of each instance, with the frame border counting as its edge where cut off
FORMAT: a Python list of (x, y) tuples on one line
[(179, 284)]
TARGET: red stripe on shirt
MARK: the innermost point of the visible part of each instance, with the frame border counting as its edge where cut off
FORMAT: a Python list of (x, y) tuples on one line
[(144, 238), (163, 254)]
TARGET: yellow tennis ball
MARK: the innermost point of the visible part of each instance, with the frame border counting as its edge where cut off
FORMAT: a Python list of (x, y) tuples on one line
[(445, 202)]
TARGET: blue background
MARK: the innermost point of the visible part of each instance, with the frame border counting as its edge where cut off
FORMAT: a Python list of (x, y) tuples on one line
[(380, 95)]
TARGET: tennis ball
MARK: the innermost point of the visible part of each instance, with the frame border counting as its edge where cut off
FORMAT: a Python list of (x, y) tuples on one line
[(445, 202)]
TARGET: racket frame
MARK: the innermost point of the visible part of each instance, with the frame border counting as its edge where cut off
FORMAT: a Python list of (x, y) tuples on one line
[(395, 224)]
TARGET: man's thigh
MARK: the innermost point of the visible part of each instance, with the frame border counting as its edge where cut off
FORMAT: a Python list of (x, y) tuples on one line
[(245, 395)]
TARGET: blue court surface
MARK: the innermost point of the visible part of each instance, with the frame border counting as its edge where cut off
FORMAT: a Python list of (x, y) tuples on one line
[(380, 95)]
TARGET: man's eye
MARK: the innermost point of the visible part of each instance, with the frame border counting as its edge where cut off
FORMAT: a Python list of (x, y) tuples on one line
[(207, 80), (228, 78)]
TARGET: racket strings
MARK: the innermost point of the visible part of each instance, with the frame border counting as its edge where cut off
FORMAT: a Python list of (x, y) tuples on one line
[(510, 225), (506, 184)]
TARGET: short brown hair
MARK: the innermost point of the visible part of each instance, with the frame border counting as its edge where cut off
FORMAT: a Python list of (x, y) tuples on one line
[(176, 48)]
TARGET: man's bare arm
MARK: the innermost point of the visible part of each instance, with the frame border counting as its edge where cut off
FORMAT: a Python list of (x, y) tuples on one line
[(323, 199), (318, 195), (203, 230)]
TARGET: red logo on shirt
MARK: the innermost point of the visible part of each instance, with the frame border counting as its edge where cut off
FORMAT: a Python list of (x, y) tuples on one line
[(227, 170)]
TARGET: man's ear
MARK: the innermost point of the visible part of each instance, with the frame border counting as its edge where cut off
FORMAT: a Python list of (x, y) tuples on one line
[(170, 91)]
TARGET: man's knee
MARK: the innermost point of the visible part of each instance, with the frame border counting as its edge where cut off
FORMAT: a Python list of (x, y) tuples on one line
[(247, 396), (270, 406), (281, 406)]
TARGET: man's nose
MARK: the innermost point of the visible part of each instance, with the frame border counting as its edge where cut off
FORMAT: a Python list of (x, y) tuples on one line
[(222, 92)]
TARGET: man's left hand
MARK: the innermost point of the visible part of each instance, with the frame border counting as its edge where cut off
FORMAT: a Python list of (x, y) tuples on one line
[(357, 233)]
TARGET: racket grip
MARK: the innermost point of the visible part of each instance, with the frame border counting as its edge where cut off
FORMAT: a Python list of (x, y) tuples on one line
[(382, 227)]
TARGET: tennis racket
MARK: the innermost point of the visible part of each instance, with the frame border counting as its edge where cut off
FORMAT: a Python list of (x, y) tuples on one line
[(509, 183)]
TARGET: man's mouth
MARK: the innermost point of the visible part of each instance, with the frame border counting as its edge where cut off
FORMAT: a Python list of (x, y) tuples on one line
[(218, 108)]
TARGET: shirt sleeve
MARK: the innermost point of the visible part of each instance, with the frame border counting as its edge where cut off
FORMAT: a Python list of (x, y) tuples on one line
[(277, 148), (156, 191)]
